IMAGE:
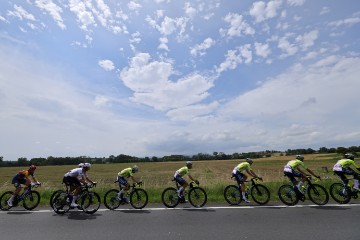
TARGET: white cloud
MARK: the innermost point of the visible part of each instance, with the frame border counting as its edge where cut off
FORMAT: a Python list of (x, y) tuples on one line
[(288, 48), (191, 112), (84, 17), (262, 50), (324, 10), (262, 11), (189, 10), (107, 65), (347, 22), (201, 48), (134, 6), (307, 40), (296, 2), (163, 43), (54, 10), (237, 27), (150, 82), (21, 13), (233, 59)]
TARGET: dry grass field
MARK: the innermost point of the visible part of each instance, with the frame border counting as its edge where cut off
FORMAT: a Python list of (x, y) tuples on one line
[(213, 175)]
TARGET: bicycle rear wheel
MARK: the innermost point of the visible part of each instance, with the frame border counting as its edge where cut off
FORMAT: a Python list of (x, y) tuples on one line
[(288, 195), (318, 194), (32, 200), (170, 197), (340, 193), (54, 195), (260, 194), (61, 203), (197, 197), (232, 195), (111, 200), (4, 199), (91, 202), (138, 198)]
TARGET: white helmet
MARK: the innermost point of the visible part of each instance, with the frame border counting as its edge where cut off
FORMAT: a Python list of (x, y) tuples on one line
[(188, 163), (300, 157), (135, 168), (81, 165), (86, 165)]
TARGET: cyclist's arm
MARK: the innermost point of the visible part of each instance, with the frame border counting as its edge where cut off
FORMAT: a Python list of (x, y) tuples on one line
[(89, 180), (34, 179), (134, 179), (312, 173), (252, 173), (192, 179)]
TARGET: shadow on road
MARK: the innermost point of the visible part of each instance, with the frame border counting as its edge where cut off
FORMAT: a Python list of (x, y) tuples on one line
[(19, 212), (135, 211), (82, 216), (330, 208), (199, 209)]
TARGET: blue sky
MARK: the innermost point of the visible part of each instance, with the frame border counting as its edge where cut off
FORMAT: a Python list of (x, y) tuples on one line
[(153, 78)]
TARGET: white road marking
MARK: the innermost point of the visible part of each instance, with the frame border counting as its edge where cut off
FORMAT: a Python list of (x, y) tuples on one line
[(188, 208)]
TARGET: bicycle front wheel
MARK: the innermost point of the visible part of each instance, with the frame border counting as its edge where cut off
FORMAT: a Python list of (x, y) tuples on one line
[(232, 195), (197, 197), (111, 200), (138, 198), (318, 194), (4, 199), (170, 197), (90, 203), (340, 193), (288, 195), (260, 194), (32, 200)]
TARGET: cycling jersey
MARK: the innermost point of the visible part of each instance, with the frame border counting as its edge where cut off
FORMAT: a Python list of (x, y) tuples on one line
[(344, 164), (127, 172), (182, 171), (24, 174), (241, 167), (76, 173)]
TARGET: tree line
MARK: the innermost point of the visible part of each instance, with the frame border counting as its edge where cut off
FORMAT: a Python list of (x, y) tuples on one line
[(122, 158)]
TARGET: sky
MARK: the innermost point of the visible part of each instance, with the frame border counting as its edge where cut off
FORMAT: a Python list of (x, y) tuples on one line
[(160, 77)]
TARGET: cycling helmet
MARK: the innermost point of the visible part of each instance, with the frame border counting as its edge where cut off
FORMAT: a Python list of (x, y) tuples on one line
[(300, 157), (81, 164), (249, 160), (86, 165), (32, 168), (135, 168), (188, 163), (349, 156)]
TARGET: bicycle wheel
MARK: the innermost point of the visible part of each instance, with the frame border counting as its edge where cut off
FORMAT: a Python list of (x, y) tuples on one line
[(55, 194), (288, 195), (232, 195), (61, 203), (318, 194), (3, 200), (91, 202), (260, 194), (170, 197), (197, 197), (340, 193), (32, 200), (110, 199), (138, 198)]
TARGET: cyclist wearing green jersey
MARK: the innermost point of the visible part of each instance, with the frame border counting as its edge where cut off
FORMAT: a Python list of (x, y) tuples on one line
[(292, 169), (241, 177), (178, 176), (342, 168), (122, 175)]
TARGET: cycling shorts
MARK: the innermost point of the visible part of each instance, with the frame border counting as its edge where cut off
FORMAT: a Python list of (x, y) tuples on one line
[(17, 182), (122, 181), (179, 180), (239, 176), (346, 171), (291, 175), (71, 181)]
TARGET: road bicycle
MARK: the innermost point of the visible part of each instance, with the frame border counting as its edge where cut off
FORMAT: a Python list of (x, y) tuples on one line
[(291, 195), (258, 192), (87, 200), (29, 197), (196, 195), (137, 196), (342, 193)]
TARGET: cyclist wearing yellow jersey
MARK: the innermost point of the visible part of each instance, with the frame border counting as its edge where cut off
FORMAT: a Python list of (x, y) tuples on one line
[(22, 178), (241, 177), (342, 168), (292, 169), (178, 176), (122, 175)]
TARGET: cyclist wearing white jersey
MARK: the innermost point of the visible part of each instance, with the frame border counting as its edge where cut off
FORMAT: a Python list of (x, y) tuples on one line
[(75, 178)]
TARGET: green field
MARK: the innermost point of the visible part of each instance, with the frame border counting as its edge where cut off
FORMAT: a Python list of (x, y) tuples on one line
[(214, 176)]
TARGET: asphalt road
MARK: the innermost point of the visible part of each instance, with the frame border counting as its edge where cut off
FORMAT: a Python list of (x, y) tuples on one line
[(217, 222)]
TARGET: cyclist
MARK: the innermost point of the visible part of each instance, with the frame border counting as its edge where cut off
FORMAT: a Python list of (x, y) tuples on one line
[(20, 178), (241, 177), (126, 173), (178, 176), (342, 168), (75, 178), (292, 169)]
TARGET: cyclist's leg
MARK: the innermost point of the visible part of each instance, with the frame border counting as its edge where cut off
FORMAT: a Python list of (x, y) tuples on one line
[(183, 184), (349, 171), (17, 184), (122, 182), (240, 178)]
